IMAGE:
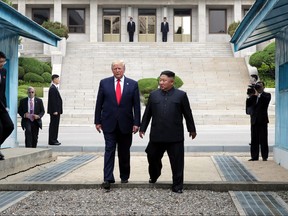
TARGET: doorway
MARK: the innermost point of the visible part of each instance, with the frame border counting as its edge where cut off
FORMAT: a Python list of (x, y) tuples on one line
[(147, 25), (111, 25), (182, 25)]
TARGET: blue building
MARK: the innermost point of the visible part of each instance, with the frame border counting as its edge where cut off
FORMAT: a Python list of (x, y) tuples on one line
[(268, 19), (12, 25)]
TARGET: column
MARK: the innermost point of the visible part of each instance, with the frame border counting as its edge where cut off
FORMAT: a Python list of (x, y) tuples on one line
[(93, 20), (129, 12), (57, 11), (237, 11), (22, 7), (165, 12), (202, 21)]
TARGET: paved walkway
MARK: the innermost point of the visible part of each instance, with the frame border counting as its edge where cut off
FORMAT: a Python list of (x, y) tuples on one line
[(210, 138)]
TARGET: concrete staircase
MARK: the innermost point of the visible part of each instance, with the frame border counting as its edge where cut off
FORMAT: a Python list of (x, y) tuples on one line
[(214, 80)]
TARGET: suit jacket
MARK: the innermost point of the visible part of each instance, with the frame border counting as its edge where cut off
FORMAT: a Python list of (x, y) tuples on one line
[(3, 86), (258, 110), (165, 27), (167, 110), (107, 111), (38, 110), (54, 100), (131, 27)]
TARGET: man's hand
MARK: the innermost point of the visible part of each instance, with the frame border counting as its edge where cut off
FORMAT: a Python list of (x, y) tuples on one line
[(135, 129), (55, 113), (98, 127), (192, 134), (141, 134)]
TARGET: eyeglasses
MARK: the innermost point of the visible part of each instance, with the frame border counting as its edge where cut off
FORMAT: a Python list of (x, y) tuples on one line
[(32, 92)]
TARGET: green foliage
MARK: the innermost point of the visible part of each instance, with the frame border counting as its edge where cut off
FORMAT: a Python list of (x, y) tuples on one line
[(46, 67), (21, 72), (232, 28), (8, 2), (46, 76), (264, 61), (147, 85), (57, 28), (31, 65), (32, 77)]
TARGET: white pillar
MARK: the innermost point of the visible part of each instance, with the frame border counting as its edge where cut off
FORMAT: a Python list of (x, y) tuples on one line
[(129, 12), (93, 21), (165, 12), (57, 11), (237, 11), (202, 21), (22, 7)]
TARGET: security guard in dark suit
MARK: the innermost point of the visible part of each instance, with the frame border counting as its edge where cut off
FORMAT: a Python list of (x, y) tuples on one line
[(257, 104), (167, 106)]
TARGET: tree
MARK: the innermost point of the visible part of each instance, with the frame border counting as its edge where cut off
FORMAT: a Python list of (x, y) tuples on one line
[(8, 2)]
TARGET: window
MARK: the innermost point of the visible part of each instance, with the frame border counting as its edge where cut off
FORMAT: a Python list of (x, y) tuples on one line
[(217, 21), (76, 20), (40, 15)]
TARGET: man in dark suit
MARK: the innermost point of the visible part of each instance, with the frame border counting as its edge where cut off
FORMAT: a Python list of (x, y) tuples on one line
[(167, 106), (6, 124), (55, 109), (117, 113), (164, 29), (31, 110), (257, 104), (131, 29)]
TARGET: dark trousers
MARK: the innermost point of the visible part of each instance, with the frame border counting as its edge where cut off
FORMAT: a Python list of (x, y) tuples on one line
[(54, 128), (31, 134), (123, 143), (6, 126), (259, 136), (175, 151), (164, 36), (131, 36)]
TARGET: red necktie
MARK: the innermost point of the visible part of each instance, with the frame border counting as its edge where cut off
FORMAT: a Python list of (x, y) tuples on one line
[(118, 91)]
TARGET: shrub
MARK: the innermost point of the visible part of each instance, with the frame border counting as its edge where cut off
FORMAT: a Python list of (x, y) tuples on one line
[(21, 72), (264, 60), (178, 82), (47, 77), (57, 28), (31, 65), (232, 28), (32, 77), (46, 67), (147, 85)]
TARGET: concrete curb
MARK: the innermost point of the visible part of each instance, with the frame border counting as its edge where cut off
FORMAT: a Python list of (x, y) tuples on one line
[(213, 186)]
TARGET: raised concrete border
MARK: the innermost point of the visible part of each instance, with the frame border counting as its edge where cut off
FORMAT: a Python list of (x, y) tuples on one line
[(213, 186), (21, 159)]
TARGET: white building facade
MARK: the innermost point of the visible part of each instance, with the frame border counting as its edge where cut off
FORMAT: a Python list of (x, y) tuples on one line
[(106, 20)]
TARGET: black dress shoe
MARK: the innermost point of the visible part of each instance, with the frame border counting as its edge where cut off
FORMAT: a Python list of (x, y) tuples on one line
[(57, 143), (253, 159), (264, 159), (2, 157), (106, 185), (124, 181), (177, 190), (152, 181)]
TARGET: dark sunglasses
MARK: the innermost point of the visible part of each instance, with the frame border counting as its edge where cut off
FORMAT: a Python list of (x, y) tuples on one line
[(31, 92)]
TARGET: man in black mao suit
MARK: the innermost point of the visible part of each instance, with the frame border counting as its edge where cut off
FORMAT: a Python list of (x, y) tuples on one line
[(55, 109), (164, 29), (167, 106), (6, 124), (258, 104), (117, 114), (31, 110), (131, 29)]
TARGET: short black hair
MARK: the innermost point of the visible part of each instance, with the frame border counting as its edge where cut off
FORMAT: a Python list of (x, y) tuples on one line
[(168, 73), (54, 76), (2, 55)]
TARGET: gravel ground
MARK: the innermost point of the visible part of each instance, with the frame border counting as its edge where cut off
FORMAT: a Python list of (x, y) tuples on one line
[(124, 202)]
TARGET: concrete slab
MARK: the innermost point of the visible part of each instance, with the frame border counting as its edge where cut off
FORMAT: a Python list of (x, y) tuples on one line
[(21, 159)]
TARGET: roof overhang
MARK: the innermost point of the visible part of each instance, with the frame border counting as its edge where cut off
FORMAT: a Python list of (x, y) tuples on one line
[(14, 23), (264, 20)]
